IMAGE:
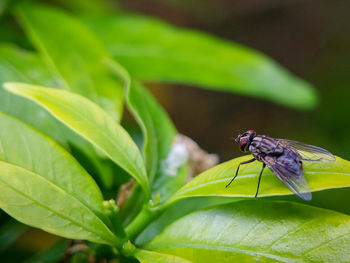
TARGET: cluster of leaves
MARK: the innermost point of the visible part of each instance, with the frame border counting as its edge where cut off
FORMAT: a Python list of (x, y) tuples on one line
[(56, 136)]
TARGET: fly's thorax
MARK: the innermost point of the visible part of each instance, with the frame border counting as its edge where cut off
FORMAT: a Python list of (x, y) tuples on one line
[(254, 151), (262, 144)]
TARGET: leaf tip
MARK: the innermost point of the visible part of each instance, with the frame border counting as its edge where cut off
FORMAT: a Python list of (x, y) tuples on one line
[(14, 87), (9, 86)]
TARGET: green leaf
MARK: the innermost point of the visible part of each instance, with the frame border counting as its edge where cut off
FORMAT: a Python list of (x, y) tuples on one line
[(212, 182), (73, 53), (145, 256), (155, 51), (25, 147), (17, 64), (164, 166), (177, 211), (92, 123), (36, 201), (23, 65), (159, 133), (260, 231), (157, 128)]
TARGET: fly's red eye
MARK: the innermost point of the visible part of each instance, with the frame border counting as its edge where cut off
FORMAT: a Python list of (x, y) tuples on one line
[(243, 143)]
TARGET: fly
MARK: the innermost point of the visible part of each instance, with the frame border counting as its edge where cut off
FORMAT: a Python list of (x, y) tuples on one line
[(284, 158)]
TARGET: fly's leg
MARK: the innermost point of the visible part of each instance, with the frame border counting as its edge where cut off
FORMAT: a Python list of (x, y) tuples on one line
[(262, 170), (249, 161)]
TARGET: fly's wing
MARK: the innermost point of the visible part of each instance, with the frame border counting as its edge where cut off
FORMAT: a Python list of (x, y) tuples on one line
[(289, 170), (308, 152)]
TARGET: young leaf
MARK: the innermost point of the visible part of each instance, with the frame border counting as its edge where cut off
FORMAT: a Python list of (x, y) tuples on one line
[(156, 126), (73, 53), (159, 133), (25, 147), (155, 51), (34, 200), (260, 231), (92, 123), (145, 256), (212, 182)]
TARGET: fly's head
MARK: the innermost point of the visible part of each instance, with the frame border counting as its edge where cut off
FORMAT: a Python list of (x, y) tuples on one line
[(245, 139)]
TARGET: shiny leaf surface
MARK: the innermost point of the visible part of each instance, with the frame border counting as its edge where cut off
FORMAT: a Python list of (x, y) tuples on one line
[(25, 147), (17, 64), (92, 123), (259, 231), (33, 200), (212, 182), (145, 256), (178, 210)]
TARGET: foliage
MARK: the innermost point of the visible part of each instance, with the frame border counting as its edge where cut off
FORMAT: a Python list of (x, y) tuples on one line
[(60, 109), (155, 51), (258, 231)]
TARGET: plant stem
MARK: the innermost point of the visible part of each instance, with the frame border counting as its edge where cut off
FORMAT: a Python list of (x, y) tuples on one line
[(147, 214), (140, 222)]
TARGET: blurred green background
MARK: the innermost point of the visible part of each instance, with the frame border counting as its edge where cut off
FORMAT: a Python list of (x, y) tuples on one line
[(311, 39)]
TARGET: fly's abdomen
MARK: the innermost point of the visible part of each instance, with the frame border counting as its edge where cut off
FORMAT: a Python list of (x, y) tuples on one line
[(289, 163)]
